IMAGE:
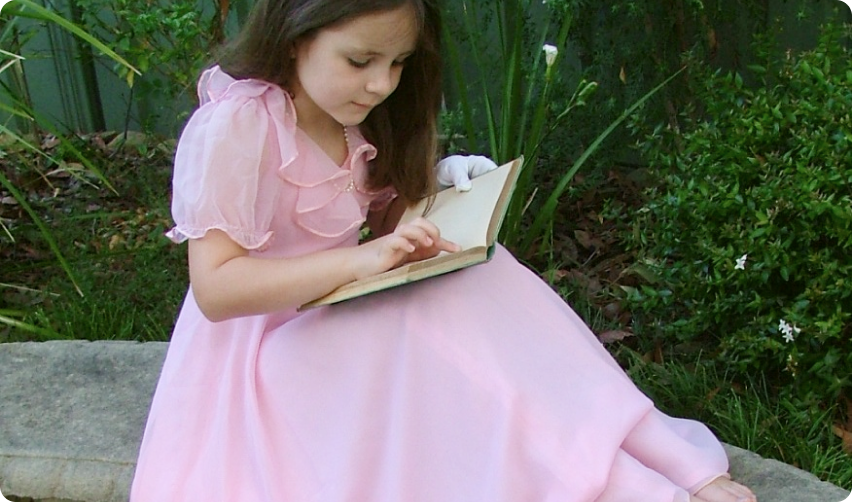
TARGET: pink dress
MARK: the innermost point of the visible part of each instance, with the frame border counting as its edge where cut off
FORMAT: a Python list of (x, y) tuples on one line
[(481, 385)]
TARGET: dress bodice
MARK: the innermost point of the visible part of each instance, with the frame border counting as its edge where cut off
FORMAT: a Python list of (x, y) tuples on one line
[(243, 166)]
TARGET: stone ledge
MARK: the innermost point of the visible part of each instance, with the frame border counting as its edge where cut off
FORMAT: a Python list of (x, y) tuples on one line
[(65, 479), (72, 414), (774, 481)]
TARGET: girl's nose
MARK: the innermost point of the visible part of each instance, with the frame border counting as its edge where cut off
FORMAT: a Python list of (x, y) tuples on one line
[(383, 81)]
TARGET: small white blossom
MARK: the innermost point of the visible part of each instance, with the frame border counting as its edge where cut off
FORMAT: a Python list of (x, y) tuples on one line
[(788, 330), (741, 261), (550, 52)]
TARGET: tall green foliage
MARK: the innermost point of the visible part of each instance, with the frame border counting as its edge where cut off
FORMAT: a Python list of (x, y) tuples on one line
[(517, 110), (517, 99), (17, 106)]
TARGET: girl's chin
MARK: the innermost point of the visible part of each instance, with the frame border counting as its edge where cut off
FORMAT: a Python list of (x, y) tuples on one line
[(354, 115), (350, 120)]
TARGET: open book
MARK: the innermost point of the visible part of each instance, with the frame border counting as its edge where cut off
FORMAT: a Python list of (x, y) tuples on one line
[(470, 219)]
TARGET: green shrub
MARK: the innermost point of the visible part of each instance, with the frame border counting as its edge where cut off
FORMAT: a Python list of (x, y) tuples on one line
[(748, 232)]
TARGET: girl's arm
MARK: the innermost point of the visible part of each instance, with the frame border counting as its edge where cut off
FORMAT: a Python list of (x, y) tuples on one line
[(227, 282)]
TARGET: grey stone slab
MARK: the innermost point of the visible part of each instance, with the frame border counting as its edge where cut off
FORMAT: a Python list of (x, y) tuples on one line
[(776, 481), (72, 415)]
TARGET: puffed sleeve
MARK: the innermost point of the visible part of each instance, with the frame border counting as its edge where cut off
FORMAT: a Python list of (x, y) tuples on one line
[(222, 176)]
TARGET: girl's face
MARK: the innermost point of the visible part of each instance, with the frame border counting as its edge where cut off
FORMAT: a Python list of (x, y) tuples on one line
[(344, 71)]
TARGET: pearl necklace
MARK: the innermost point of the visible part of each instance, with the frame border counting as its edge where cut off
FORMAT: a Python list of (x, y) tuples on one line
[(351, 185)]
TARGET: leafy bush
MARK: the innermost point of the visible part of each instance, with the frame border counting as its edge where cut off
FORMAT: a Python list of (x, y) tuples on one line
[(748, 233)]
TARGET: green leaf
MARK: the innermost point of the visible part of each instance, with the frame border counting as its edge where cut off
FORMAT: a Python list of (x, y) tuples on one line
[(776, 112)]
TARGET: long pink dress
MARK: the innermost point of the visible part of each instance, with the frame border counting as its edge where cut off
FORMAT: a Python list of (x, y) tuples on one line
[(481, 385)]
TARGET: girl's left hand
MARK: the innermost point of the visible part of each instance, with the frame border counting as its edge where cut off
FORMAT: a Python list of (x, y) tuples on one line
[(458, 170)]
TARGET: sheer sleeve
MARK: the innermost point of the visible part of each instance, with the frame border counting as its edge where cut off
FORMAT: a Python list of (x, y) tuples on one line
[(223, 178)]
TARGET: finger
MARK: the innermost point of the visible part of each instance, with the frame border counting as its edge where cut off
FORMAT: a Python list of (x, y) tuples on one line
[(479, 165), (434, 234), (448, 246), (461, 181), (400, 244), (419, 233), (459, 176)]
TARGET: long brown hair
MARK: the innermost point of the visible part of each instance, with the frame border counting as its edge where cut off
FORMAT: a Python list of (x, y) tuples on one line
[(404, 127)]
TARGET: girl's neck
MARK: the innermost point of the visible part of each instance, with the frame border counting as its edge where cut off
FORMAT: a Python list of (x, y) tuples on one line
[(331, 137), (322, 128)]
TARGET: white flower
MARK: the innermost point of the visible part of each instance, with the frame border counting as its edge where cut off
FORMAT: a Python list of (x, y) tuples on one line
[(787, 330), (550, 53), (741, 261)]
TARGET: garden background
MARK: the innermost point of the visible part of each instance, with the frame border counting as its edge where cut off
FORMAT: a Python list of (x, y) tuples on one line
[(687, 186)]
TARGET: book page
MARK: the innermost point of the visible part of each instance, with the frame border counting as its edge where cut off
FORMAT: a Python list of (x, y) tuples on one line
[(464, 217)]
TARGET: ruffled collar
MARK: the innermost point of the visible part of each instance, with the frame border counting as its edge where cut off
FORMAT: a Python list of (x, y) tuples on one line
[(332, 200)]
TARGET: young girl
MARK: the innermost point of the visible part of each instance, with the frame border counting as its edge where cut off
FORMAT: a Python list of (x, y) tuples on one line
[(481, 385)]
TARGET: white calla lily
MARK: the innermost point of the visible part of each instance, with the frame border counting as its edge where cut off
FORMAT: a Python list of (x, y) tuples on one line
[(550, 52)]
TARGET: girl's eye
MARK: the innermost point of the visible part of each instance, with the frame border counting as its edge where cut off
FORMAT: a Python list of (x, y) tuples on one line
[(358, 64), (399, 63)]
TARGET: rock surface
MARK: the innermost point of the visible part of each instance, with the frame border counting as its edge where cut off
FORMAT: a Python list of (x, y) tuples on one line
[(72, 414)]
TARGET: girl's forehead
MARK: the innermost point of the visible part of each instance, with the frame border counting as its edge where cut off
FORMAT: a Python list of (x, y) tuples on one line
[(385, 31)]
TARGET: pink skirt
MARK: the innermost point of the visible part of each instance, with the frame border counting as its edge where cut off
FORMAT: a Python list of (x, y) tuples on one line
[(481, 385)]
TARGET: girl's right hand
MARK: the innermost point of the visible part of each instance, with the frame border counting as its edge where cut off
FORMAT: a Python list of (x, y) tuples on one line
[(228, 282), (418, 240)]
